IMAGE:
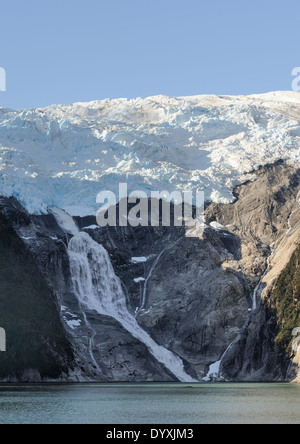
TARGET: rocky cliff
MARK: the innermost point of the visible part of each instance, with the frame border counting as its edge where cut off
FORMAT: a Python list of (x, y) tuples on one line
[(208, 308)]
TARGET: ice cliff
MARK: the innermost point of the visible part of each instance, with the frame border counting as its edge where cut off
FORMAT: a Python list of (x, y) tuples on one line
[(64, 155)]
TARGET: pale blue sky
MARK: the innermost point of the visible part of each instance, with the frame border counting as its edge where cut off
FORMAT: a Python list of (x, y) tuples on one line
[(62, 51)]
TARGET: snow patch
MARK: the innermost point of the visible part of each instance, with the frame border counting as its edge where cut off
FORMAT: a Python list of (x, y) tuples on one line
[(139, 260), (92, 227), (73, 324), (216, 226), (213, 373), (64, 220)]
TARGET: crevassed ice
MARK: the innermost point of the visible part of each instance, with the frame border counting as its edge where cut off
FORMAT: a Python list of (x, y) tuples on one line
[(63, 156)]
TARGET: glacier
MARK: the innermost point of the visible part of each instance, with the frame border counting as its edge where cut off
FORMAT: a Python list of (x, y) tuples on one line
[(63, 156)]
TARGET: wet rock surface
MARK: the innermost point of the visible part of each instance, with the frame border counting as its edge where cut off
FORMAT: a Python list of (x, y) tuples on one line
[(194, 296)]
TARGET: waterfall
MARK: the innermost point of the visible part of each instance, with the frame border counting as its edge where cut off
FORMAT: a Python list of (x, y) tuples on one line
[(152, 270), (215, 369), (97, 287), (214, 372), (258, 286), (64, 220)]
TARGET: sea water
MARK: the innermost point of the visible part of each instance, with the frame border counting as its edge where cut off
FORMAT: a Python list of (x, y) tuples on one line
[(150, 404)]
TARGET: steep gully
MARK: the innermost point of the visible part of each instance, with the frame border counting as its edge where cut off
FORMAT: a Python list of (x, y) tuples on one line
[(156, 262), (214, 372), (209, 313)]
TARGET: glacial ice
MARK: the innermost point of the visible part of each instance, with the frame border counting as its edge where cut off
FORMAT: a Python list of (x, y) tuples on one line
[(63, 156)]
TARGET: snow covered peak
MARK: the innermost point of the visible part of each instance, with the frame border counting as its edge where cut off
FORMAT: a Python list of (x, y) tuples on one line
[(63, 156)]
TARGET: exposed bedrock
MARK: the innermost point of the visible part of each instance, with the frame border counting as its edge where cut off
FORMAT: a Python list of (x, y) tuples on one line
[(208, 300)]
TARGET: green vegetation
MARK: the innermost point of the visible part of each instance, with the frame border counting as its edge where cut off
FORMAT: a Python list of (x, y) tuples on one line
[(285, 301)]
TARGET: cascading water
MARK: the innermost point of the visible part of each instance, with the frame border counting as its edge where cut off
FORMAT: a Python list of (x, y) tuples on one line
[(258, 287), (98, 288), (289, 230), (152, 270), (215, 369), (64, 220)]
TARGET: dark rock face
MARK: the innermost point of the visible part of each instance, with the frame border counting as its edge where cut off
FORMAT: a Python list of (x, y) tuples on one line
[(37, 346), (38, 249), (194, 296), (12, 213), (193, 306), (199, 297), (265, 219)]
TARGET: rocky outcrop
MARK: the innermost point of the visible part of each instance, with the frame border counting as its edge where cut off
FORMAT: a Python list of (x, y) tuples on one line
[(37, 346), (98, 349), (199, 296), (265, 219), (208, 300)]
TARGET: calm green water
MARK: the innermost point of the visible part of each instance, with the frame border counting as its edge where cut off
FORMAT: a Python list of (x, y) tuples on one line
[(150, 404)]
